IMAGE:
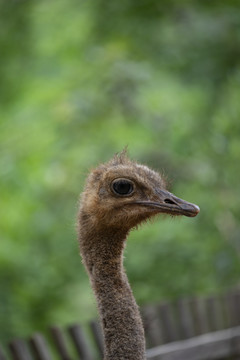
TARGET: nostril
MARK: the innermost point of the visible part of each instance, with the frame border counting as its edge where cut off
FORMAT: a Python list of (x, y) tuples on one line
[(168, 201)]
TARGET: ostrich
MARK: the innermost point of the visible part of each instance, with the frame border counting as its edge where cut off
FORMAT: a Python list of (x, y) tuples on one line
[(118, 196)]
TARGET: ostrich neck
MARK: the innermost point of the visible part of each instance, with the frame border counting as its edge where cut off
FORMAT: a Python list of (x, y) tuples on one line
[(102, 254)]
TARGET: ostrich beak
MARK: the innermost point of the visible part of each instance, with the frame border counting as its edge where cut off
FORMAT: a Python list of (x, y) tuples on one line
[(170, 204)]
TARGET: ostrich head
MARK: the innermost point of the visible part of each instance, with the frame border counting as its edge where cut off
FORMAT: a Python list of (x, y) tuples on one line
[(118, 196), (121, 194)]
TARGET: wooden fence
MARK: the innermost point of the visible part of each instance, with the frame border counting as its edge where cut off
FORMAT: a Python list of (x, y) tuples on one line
[(199, 328), (223, 344)]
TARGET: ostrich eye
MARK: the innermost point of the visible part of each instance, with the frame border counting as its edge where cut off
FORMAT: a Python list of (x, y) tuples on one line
[(122, 187)]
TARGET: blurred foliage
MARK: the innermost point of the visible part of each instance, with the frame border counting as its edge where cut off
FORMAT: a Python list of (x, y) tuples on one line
[(79, 81)]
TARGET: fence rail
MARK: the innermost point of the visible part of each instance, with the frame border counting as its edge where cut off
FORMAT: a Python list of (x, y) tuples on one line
[(197, 328), (223, 344)]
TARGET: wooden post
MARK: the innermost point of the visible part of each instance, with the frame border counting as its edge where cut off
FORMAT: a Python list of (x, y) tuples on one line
[(200, 316), (19, 350), (2, 356), (78, 337), (169, 324), (39, 347), (215, 313), (60, 343), (152, 326), (97, 335), (186, 324), (231, 306)]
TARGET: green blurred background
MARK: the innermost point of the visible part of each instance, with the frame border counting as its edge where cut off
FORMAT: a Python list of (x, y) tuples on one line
[(79, 80)]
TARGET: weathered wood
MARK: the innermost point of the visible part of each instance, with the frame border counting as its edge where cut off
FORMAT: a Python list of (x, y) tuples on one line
[(60, 343), (152, 325), (19, 350), (164, 323), (98, 336), (234, 298), (215, 313), (39, 347), (237, 305), (186, 324), (200, 316), (2, 356), (231, 309), (218, 345), (168, 321), (79, 340)]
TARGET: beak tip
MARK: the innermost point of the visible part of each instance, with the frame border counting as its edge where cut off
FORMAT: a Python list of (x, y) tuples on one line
[(196, 210)]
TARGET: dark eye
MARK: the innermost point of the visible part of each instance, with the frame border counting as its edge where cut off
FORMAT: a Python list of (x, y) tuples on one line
[(122, 187)]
